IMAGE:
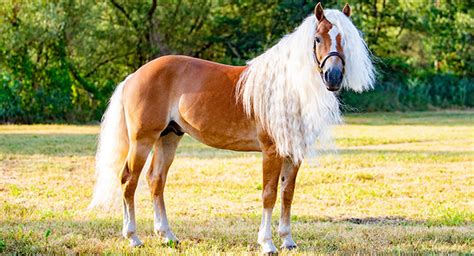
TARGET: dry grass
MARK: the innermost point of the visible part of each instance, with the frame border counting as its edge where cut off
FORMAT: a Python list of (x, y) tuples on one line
[(401, 183)]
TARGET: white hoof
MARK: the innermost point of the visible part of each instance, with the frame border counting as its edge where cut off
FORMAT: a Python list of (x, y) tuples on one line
[(268, 248), (288, 243), (168, 237), (135, 241)]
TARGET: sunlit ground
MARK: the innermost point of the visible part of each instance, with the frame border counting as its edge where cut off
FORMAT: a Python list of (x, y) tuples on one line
[(400, 183)]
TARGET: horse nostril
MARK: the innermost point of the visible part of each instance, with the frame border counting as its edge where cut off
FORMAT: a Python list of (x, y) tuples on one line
[(326, 76), (334, 76)]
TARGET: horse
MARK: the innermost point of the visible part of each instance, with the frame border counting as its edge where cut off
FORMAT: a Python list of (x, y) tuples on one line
[(279, 104)]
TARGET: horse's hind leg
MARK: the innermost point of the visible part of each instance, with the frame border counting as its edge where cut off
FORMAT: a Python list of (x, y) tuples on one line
[(138, 152), (164, 152)]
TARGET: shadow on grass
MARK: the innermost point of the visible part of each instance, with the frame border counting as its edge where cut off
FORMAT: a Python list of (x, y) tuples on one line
[(386, 220), (48, 144), (367, 221), (356, 151), (442, 118), (85, 145)]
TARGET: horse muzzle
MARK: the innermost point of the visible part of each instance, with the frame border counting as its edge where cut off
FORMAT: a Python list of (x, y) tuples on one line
[(333, 79)]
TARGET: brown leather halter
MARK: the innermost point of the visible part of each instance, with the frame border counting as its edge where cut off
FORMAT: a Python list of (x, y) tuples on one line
[(321, 64)]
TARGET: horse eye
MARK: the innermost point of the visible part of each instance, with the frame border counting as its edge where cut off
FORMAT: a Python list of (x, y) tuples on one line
[(318, 40)]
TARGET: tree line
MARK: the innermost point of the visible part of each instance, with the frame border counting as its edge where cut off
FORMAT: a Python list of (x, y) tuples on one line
[(60, 60)]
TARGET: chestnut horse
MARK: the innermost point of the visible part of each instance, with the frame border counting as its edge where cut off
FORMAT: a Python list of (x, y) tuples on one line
[(279, 104)]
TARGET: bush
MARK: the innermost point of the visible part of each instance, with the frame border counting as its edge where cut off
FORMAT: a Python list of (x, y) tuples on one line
[(399, 89)]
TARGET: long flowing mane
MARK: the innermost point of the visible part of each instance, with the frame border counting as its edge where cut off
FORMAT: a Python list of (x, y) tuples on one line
[(283, 91)]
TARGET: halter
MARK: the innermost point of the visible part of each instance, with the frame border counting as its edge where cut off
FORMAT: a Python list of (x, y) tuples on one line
[(321, 64)]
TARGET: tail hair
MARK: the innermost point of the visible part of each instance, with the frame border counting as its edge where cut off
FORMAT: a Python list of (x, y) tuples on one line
[(112, 152)]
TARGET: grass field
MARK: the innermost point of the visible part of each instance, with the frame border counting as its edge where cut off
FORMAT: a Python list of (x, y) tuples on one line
[(400, 183)]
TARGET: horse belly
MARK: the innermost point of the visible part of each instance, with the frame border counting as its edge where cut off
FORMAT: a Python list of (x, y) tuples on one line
[(215, 119)]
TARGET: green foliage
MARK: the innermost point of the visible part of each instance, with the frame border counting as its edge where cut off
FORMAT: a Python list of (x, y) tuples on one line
[(399, 88), (47, 233), (60, 60), (425, 53), (2, 245)]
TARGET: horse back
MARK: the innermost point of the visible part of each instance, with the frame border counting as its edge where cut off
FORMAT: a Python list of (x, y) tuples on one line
[(196, 94)]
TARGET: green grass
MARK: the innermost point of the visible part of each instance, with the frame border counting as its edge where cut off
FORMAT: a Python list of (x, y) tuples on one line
[(401, 183)]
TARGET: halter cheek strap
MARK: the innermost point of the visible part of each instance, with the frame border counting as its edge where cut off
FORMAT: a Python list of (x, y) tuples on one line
[(331, 54)]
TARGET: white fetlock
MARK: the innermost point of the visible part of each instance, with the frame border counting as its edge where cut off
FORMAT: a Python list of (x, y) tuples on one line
[(265, 233), (267, 244), (285, 234)]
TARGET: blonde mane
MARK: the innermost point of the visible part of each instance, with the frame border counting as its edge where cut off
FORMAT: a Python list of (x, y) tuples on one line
[(283, 91)]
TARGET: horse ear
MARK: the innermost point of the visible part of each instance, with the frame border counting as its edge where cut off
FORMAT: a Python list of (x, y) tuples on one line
[(347, 10), (319, 12)]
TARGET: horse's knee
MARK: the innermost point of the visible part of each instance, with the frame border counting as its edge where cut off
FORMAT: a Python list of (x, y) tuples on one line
[(287, 193), (269, 196)]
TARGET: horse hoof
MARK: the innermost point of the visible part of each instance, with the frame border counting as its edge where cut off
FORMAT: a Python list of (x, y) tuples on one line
[(139, 245), (136, 243), (270, 253), (268, 248), (289, 248)]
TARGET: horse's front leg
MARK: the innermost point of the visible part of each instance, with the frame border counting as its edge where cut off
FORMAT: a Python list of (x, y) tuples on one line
[(288, 179), (272, 165)]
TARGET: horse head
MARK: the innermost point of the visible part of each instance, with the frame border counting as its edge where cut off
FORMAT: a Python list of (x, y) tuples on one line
[(328, 50)]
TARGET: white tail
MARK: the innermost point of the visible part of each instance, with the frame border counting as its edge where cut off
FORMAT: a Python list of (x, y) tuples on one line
[(112, 151)]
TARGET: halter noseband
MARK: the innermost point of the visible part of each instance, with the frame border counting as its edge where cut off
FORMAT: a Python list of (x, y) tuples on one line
[(321, 64)]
